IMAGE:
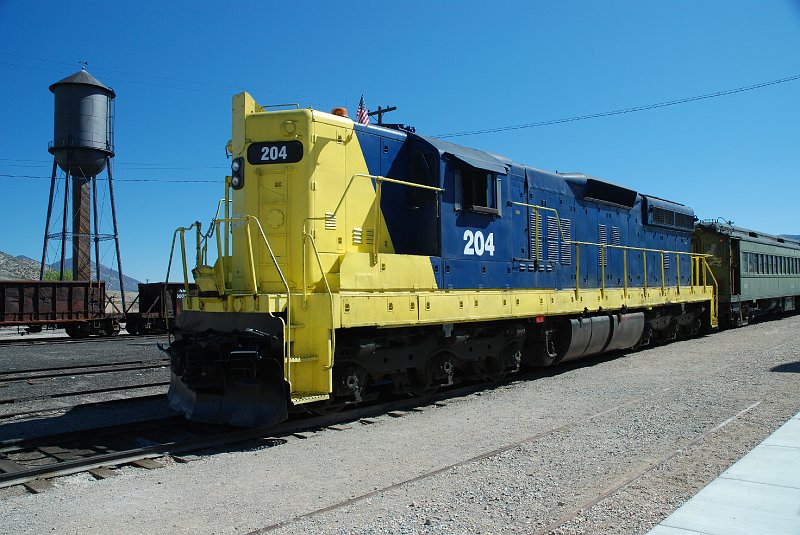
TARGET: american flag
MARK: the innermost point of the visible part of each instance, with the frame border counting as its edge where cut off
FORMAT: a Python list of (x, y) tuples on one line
[(361, 114)]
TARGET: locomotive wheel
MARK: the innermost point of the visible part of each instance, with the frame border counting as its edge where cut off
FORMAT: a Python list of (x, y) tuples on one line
[(438, 371), (499, 366), (420, 385)]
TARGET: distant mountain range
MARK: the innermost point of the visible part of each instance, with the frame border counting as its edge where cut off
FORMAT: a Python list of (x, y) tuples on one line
[(24, 268), (792, 236)]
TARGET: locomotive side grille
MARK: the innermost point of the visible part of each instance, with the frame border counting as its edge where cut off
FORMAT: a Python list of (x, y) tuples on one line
[(663, 216), (566, 248), (552, 239), (330, 221), (533, 237), (615, 236), (602, 233), (670, 218), (666, 261), (684, 220), (362, 236)]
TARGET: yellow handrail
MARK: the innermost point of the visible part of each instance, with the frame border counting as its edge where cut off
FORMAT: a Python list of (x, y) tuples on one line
[(247, 219), (378, 180), (695, 258), (327, 287)]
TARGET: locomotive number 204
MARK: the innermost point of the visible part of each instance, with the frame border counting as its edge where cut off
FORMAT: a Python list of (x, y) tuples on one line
[(477, 244), (266, 152)]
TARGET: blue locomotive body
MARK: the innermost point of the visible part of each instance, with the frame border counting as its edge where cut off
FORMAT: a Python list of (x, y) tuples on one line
[(484, 233)]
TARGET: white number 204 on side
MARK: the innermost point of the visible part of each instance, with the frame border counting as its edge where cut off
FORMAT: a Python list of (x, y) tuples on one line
[(477, 244)]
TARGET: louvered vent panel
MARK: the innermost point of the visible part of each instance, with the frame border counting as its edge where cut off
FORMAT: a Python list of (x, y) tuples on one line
[(330, 221), (684, 221), (552, 239), (615, 236), (533, 237), (664, 217), (566, 248), (666, 261), (602, 234)]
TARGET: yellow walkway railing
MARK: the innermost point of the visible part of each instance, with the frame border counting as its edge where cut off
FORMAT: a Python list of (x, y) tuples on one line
[(700, 270)]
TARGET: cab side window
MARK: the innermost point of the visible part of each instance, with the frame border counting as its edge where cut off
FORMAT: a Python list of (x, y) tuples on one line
[(477, 190)]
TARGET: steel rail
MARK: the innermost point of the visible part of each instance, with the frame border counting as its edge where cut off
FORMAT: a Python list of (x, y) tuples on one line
[(15, 376), (305, 424), (616, 487), (437, 471), (14, 401), (70, 340)]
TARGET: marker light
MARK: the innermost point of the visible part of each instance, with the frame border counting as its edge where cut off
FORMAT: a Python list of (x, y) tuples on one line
[(237, 173)]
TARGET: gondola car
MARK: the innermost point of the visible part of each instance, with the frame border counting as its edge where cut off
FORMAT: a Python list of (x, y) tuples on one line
[(78, 307), (158, 303), (757, 273), (357, 261)]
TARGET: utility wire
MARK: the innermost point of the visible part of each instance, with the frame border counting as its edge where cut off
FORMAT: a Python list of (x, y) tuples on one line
[(194, 83), (634, 109), (150, 165), (165, 180)]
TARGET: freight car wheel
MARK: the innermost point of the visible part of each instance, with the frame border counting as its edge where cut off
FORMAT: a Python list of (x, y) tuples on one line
[(77, 330), (132, 327)]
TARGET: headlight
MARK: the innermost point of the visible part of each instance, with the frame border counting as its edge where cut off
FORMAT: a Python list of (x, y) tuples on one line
[(237, 173)]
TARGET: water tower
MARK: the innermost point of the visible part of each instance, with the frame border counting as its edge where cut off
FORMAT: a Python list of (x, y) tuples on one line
[(82, 146)]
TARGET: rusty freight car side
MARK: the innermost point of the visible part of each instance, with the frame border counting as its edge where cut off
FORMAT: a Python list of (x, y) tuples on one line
[(77, 306)]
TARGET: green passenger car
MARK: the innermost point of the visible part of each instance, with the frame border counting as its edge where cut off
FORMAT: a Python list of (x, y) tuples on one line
[(757, 273)]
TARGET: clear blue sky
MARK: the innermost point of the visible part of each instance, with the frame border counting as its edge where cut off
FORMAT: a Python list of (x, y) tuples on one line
[(447, 66)]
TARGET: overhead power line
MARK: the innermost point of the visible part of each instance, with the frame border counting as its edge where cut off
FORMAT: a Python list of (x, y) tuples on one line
[(140, 76), (634, 109), (162, 180)]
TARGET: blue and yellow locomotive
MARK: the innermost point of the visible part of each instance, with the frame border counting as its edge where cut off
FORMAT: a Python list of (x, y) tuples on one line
[(358, 260)]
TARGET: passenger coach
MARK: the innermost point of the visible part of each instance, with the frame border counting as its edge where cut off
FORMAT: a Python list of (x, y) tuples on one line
[(757, 273)]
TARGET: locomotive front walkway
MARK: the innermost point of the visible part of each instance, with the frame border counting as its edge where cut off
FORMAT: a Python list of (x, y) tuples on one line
[(758, 494)]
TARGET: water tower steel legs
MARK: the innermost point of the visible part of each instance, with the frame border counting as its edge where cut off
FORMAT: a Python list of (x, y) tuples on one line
[(64, 223), (49, 215), (116, 234)]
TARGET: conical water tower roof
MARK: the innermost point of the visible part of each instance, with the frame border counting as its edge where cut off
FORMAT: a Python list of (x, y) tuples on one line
[(83, 77)]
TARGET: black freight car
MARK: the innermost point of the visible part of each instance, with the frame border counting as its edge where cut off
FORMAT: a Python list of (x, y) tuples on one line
[(79, 307), (158, 304)]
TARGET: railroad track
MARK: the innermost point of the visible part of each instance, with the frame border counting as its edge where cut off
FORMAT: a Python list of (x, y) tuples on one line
[(45, 340), (34, 374), (614, 487), (32, 462), (63, 397), (66, 395)]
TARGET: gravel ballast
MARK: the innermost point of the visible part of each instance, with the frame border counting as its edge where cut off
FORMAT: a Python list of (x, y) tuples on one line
[(610, 446)]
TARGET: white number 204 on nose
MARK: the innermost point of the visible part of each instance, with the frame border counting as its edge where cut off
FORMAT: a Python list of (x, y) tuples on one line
[(477, 244)]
